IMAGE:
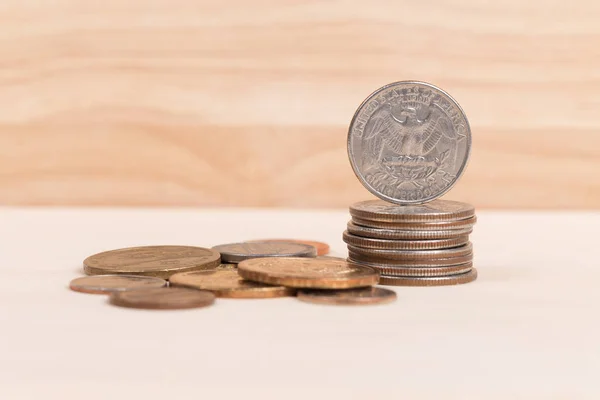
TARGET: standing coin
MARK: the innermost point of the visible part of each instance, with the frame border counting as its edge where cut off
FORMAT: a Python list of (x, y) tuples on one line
[(409, 142), (106, 284), (434, 211), (237, 252), (384, 244), (417, 226), (359, 296), (308, 273), (395, 234), (430, 281), (159, 261), (163, 299), (228, 283), (322, 248)]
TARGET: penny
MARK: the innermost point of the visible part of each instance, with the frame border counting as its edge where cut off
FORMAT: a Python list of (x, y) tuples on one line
[(434, 211), (417, 226), (384, 244), (393, 234), (430, 281), (322, 248), (422, 263), (409, 142), (159, 261), (163, 298), (420, 271), (413, 254), (106, 284), (237, 252), (228, 283), (308, 273), (347, 297)]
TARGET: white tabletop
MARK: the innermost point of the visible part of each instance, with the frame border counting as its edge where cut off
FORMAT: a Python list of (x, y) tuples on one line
[(528, 328)]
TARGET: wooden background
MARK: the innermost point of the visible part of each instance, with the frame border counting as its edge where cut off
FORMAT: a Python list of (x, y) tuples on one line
[(247, 103)]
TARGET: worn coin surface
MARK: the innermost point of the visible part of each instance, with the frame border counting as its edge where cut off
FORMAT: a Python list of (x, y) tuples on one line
[(359, 296), (422, 263), (308, 273), (420, 271), (430, 281), (163, 298), (413, 254), (322, 248), (237, 252), (386, 244), (159, 261), (395, 234), (228, 283), (434, 211), (417, 226), (409, 142), (106, 284)]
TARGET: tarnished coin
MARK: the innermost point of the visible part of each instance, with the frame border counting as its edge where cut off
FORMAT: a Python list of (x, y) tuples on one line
[(413, 254), (434, 211), (422, 263), (385, 244), (228, 283), (420, 271), (163, 298), (394, 234), (322, 248), (106, 284), (159, 261), (237, 252), (417, 226), (430, 281), (308, 273), (409, 142), (348, 297)]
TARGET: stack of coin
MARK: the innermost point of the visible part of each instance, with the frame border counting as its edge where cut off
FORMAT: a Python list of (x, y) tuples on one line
[(409, 143)]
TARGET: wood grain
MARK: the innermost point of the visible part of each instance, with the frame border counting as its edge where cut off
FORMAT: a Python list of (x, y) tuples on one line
[(188, 103)]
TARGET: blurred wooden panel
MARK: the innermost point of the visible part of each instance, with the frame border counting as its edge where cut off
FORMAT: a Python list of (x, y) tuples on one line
[(247, 103)]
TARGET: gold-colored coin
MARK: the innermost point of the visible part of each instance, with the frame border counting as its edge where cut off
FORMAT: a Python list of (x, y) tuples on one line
[(422, 271), (384, 244), (322, 248), (430, 281), (395, 234), (106, 284), (159, 261), (308, 273), (424, 263), (163, 299), (237, 252), (347, 297), (436, 210), (413, 254), (228, 283), (417, 226)]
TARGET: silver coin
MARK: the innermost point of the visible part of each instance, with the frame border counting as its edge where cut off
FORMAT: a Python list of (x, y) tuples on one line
[(399, 234), (238, 252), (434, 211), (387, 244), (412, 254), (417, 226), (409, 142)]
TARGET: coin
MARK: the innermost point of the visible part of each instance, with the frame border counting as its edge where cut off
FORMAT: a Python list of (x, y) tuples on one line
[(347, 297), (430, 281), (322, 248), (308, 273), (106, 284), (434, 211), (413, 254), (237, 252), (423, 263), (409, 142), (417, 226), (420, 271), (394, 234), (159, 261), (228, 283), (163, 298), (384, 244), (226, 267)]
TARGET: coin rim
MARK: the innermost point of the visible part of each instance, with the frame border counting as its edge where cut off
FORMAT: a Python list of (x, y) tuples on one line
[(414, 254), (433, 262), (81, 288), (439, 216), (449, 280), (389, 297), (351, 156), (417, 226), (116, 299), (400, 234), (422, 272), (391, 244)]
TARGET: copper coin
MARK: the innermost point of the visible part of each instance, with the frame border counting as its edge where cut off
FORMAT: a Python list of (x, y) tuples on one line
[(228, 283), (237, 252), (348, 297), (430, 281), (106, 284), (395, 234), (159, 261), (421, 272), (424, 263), (433, 211), (163, 299), (385, 244), (322, 248), (417, 226), (413, 254), (308, 273)]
